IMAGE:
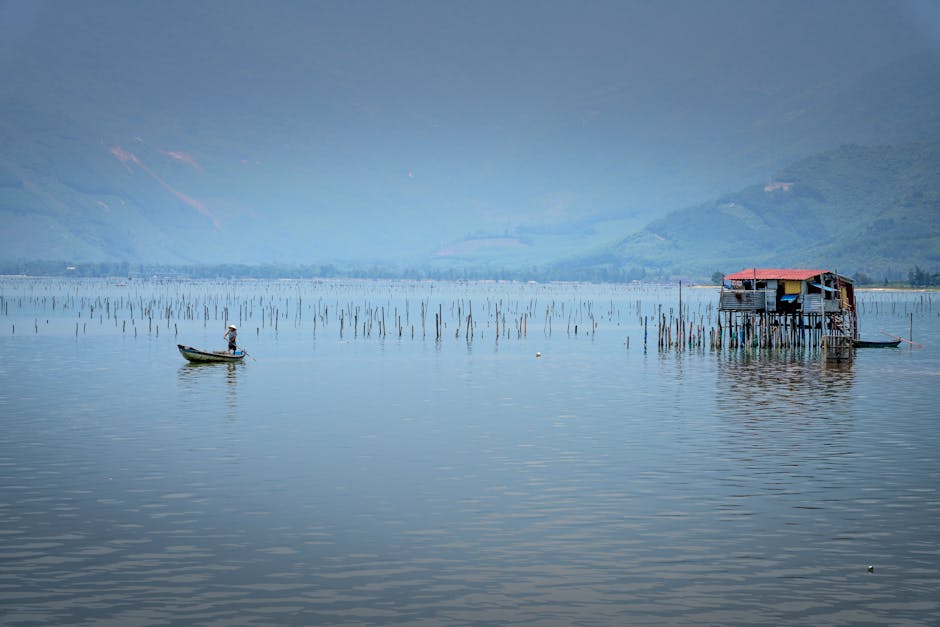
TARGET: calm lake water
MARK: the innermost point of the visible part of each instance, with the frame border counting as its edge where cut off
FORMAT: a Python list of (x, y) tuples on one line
[(355, 472)]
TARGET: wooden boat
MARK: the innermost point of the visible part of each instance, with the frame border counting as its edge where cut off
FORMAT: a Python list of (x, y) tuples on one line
[(876, 344), (198, 356)]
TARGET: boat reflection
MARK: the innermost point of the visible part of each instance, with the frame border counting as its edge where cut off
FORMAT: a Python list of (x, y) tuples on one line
[(200, 382)]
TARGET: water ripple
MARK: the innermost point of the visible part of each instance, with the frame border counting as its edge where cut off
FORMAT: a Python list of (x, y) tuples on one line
[(426, 483)]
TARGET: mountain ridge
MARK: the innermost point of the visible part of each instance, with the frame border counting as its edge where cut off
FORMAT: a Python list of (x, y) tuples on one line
[(139, 183), (868, 209)]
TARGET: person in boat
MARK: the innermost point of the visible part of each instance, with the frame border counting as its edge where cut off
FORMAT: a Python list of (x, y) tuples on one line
[(230, 335)]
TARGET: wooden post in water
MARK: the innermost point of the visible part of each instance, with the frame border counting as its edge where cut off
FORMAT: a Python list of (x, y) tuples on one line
[(679, 341)]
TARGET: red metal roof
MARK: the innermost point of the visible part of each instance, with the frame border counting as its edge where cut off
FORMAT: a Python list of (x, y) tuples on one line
[(766, 274)]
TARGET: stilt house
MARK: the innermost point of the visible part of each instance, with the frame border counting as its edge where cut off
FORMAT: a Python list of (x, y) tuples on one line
[(788, 306)]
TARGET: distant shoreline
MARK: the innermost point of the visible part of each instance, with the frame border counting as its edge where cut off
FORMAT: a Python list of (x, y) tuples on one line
[(340, 277)]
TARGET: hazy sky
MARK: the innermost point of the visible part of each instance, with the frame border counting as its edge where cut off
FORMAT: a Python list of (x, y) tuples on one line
[(451, 115)]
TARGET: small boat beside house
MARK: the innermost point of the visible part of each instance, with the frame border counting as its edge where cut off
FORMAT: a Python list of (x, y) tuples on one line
[(876, 343), (200, 356)]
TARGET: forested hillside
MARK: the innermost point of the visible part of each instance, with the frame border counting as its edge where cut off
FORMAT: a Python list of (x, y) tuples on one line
[(870, 210)]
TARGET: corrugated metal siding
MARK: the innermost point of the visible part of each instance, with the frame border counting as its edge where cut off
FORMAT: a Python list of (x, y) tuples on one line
[(741, 300), (812, 303)]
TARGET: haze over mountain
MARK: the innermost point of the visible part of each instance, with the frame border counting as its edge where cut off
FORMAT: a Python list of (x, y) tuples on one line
[(875, 210), (426, 132)]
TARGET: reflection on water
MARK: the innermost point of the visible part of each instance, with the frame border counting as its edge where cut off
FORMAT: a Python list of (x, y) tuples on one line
[(200, 384), (783, 411), (414, 481), (783, 383)]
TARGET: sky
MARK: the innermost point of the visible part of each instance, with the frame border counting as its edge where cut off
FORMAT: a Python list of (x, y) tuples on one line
[(428, 120)]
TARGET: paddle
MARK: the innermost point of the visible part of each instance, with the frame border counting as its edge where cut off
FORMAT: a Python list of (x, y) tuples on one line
[(897, 337)]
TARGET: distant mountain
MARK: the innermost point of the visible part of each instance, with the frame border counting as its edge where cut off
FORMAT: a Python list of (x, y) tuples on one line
[(313, 141), (719, 143), (139, 189), (857, 209)]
